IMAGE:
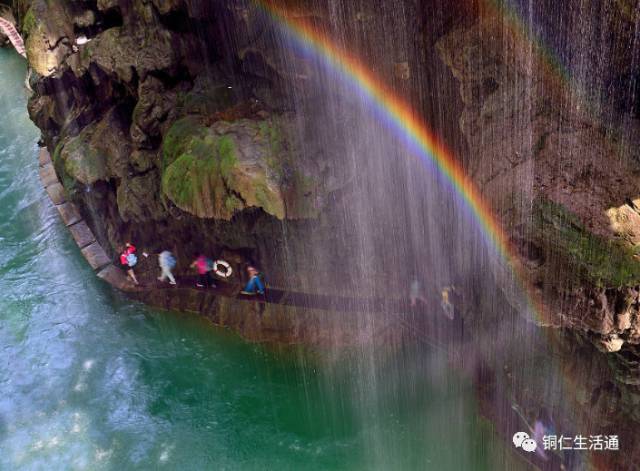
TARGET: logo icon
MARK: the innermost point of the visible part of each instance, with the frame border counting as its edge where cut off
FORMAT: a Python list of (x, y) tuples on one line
[(529, 445), (522, 440)]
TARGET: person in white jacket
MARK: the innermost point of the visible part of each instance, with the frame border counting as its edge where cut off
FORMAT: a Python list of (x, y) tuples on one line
[(167, 262)]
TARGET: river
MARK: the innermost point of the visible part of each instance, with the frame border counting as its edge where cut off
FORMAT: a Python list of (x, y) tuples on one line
[(91, 380)]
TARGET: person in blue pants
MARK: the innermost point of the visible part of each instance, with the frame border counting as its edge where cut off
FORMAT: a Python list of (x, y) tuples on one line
[(254, 285)]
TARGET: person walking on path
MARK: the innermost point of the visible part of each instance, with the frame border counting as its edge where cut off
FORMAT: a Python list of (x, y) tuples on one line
[(128, 260), (167, 262), (445, 302), (254, 285), (204, 266)]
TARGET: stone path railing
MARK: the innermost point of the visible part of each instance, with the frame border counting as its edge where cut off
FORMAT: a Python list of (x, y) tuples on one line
[(97, 257), (91, 250), (279, 317), (12, 33)]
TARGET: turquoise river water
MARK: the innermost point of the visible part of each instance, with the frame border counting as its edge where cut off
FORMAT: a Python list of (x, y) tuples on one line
[(90, 380)]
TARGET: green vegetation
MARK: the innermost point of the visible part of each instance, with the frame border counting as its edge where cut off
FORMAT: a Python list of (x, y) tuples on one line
[(232, 204), (29, 22), (278, 158), (69, 183), (178, 138), (262, 194), (201, 173), (196, 180), (589, 257)]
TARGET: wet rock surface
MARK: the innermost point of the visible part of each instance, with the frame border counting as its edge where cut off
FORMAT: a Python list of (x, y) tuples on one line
[(115, 85), (539, 151)]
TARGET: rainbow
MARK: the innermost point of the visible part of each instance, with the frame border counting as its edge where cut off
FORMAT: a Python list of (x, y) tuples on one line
[(422, 141), (419, 138)]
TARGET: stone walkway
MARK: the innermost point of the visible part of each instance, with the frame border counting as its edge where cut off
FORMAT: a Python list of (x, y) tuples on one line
[(91, 250), (105, 269)]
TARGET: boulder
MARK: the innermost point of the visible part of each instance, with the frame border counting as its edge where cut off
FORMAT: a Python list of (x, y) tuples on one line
[(128, 54), (101, 151), (139, 198), (217, 171), (154, 105)]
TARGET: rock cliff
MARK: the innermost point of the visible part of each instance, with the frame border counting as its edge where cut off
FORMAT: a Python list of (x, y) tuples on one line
[(560, 168), (134, 97), (172, 118)]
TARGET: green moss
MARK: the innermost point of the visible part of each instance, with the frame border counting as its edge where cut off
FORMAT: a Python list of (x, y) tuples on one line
[(56, 159), (278, 159), (68, 182), (201, 174), (586, 256), (83, 161), (179, 137), (29, 22), (261, 193), (267, 199), (232, 204), (227, 153), (197, 180), (179, 179)]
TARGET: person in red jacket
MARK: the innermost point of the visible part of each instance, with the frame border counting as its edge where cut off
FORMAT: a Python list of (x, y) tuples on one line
[(128, 260)]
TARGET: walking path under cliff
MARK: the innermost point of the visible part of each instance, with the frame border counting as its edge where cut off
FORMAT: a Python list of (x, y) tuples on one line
[(97, 257)]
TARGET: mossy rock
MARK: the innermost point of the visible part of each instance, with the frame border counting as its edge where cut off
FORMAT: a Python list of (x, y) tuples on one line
[(69, 184), (195, 180), (216, 172), (84, 162), (46, 23), (179, 136), (41, 58), (284, 164), (585, 257), (28, 22), (129, 54)]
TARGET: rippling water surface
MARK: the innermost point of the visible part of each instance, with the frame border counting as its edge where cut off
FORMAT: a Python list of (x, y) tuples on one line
[(90, 380)]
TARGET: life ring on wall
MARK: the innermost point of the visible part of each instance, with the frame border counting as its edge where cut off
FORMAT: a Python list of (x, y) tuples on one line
[(225, 271)]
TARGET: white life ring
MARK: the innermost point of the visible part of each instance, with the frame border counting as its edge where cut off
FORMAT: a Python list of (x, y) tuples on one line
[(227, 269)]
